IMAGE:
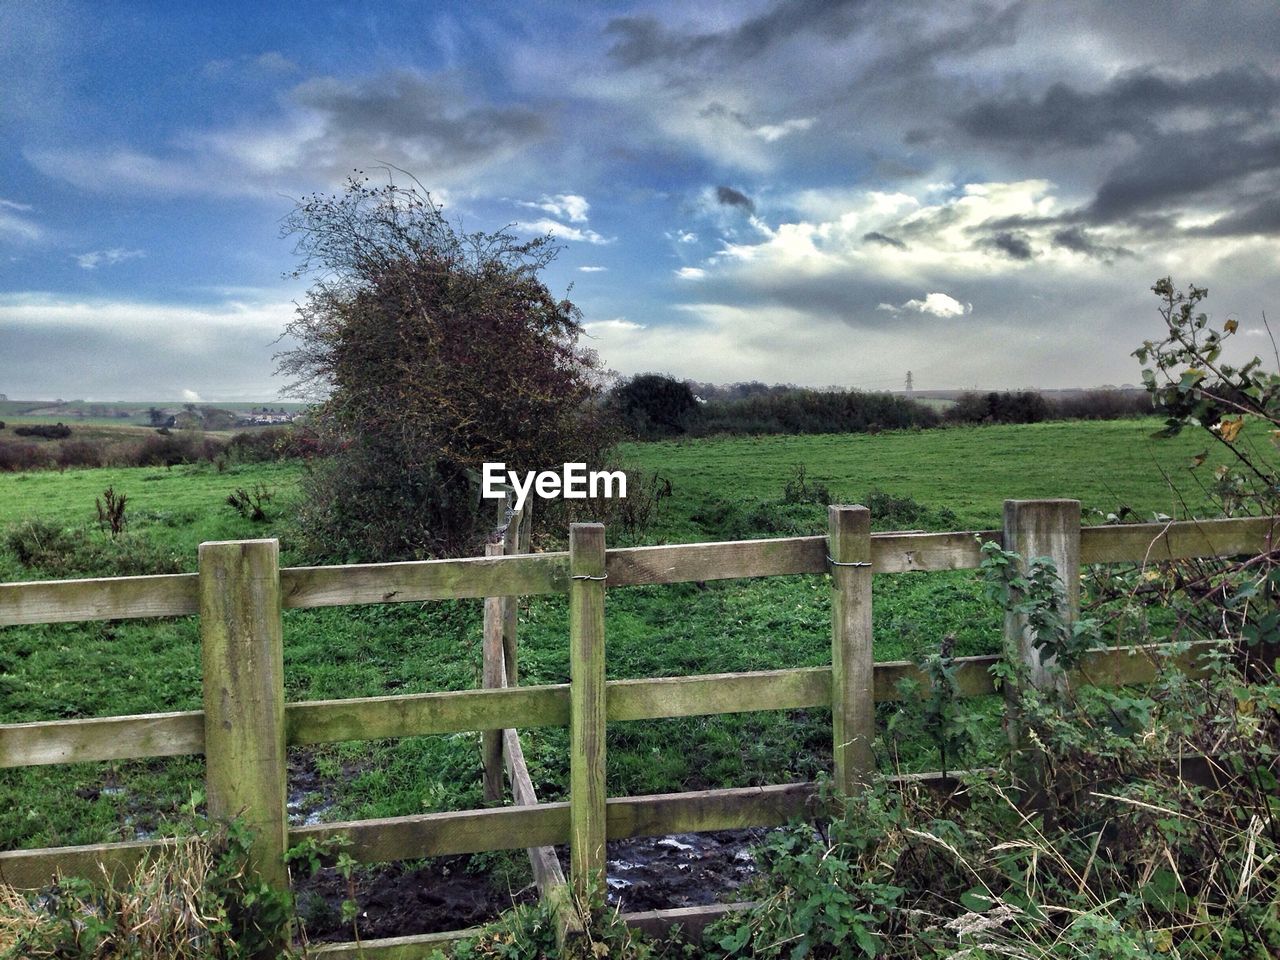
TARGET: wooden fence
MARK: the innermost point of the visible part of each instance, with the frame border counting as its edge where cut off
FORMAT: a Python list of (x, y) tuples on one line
[(246, 725)]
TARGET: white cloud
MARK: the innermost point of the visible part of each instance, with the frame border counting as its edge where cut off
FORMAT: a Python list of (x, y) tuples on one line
[(322, 129), (566, 206), (98, 258), (249, 67), (557, 229), (938, 305), (691, 273), (616, 325), (937, 234), (15, 225), (682, 236), (723, 343), (179, 323), (61, 345), (190, 396), (592, 269), (817, 299), (770, 132)]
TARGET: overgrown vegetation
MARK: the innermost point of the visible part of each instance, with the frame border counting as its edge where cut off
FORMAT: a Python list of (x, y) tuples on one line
[(197, 899), (433, 351), (1119, 823)]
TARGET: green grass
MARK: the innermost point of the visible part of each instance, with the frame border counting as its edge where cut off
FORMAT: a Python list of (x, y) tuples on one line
[(970, 470), (720, 489), (176, 508)]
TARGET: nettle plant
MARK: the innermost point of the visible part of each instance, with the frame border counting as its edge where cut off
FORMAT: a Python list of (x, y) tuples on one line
[(1193, 386), (1237, 405)]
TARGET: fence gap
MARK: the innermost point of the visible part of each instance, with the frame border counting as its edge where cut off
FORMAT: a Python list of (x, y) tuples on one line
[(586, 710), (242, 654), (853, 714)]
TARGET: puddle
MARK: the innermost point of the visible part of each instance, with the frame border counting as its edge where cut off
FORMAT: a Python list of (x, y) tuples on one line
[(683, 870), (308, 799)]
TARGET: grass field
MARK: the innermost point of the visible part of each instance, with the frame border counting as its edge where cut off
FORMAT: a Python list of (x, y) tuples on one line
[(722, 489), (969, 470)]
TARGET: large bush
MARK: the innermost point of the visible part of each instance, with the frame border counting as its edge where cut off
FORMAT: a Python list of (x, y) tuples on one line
[(1023, 406), (432, 351), (651, 405)]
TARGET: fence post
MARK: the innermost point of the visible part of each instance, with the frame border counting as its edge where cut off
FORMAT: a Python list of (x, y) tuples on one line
[(1038, 528), (525, 535), (511, 605), (586, 710), (1043, 528), (853, 708), (242, 654), (493, 677)]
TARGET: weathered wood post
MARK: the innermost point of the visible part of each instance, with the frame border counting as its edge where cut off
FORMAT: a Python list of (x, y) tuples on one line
[(853, 708), (493, 677), (525, 534), (511, 605), (586, 710), (242, 652), (1038, 528), (1043, 528)]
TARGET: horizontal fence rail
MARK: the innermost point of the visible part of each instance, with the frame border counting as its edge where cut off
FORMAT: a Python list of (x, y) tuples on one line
[(175, 595), (463, 711), (240, 593)]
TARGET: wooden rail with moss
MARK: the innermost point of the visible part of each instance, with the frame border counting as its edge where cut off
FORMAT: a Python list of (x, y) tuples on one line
[(246, 725)]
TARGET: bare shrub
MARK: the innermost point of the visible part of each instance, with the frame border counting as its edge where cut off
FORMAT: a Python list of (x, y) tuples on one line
[(111, 507)]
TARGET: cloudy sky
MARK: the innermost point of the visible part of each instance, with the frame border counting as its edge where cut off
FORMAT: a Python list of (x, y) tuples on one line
[(792, 191)]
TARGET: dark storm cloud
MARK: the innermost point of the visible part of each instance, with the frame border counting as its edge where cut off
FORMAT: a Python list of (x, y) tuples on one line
[(729, 197), (913, 50), (1014, 245), (875, 236), (1260, 219), (644, 40), (1077, 240), (1170, 171), (411, 115), (1131, 105)]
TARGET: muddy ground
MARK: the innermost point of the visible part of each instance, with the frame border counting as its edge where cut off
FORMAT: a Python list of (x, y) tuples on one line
[(650, 873), (451, 893)]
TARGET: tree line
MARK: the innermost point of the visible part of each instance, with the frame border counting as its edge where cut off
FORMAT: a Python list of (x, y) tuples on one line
[(654, 406)]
